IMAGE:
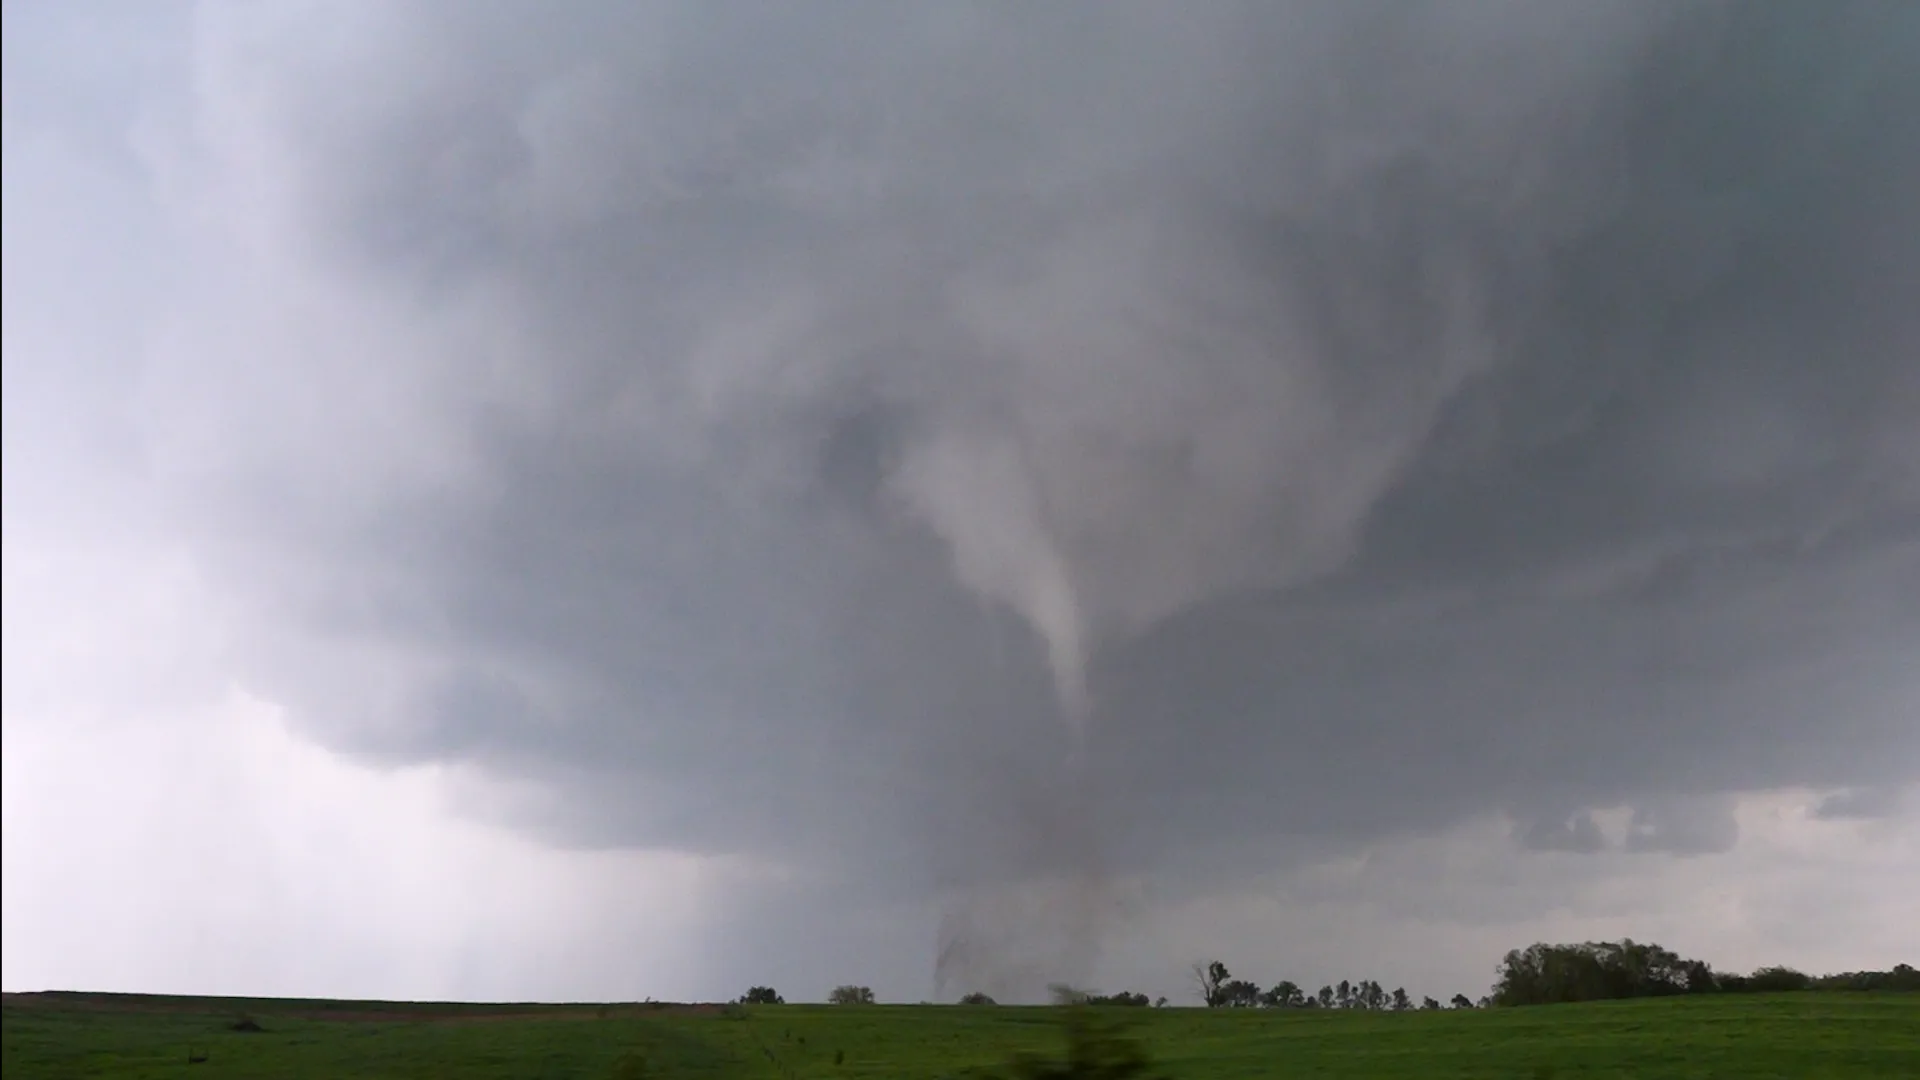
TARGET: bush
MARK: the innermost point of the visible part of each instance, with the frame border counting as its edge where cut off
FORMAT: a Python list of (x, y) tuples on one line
[(631, 1066), (1095, 1051)]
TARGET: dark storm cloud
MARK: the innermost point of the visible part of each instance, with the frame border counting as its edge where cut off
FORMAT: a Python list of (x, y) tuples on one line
[(1375, 413)]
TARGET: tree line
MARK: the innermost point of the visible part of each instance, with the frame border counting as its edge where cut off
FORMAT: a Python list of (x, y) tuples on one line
[(1539, 974), (1607, 970), (1218, 989)]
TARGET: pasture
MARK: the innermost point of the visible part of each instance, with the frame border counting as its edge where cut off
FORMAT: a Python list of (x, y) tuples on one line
[(1811, 1034)]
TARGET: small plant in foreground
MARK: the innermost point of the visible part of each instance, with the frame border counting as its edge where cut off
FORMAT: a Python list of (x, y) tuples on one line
[(631, 1066), (1095, 1051)]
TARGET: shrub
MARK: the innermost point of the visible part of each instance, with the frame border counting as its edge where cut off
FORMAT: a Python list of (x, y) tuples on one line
[(1095, 1051)]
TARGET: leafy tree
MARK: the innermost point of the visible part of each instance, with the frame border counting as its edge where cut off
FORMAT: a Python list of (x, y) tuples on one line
[(977, 998), (1240, 994), (1284, 995), (1123, 999), (850, 995), (1699, 977), (1401, 1002), (1372, 996), (1327, 997), (1901, 977), (762, 995), (1343, 995), (1771, 980), (1209, 979), (1428, 1004), (1594, 971), (1461, 1001)]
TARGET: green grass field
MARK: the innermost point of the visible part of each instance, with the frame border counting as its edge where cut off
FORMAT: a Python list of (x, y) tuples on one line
[(1820, 1034)]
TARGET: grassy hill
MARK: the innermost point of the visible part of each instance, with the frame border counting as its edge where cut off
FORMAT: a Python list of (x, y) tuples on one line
[(1815, 1034)]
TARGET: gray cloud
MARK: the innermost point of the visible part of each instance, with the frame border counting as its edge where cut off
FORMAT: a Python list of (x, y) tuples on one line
[(1689, 826), (771, 431), (1578, 833), (1863, 803)]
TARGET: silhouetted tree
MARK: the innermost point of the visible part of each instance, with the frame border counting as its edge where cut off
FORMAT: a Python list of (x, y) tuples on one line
[(1284, 995), (1772, 980), (1428, 1004), (1343, 995), (1594, 971), (1239, 994), (1461, 1001), (1699, 977), (1326, 997), (977, 998), (850, 995), (1401, 1002), (762, 995), (1901, 977), (1209, 979)]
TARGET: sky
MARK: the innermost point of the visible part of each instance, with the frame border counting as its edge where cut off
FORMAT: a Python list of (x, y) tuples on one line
[(602, 500)]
